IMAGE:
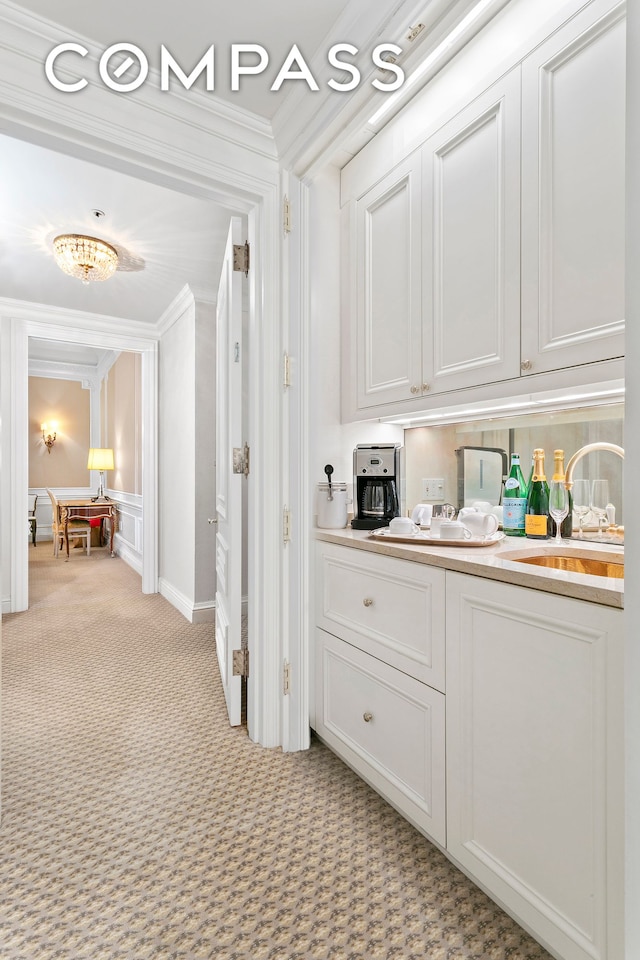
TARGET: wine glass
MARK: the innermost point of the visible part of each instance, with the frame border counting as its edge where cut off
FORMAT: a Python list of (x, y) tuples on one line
[(599, 501), (581, 491), (558, 505)]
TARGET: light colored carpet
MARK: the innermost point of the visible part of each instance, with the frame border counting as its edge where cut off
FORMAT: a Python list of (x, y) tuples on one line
[(137, 824)]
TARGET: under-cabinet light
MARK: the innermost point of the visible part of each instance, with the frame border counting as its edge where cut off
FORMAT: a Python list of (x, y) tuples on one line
[(436, 54), (612, 393)]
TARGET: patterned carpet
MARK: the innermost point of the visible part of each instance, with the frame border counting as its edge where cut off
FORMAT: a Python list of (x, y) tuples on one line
[(137, 825)]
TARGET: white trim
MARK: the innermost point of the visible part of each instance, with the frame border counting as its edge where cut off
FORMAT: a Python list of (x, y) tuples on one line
[(105, 364), (264, 695), (174, 142), (98, 327), (123, 549), (204, 612), (178, 306), (55, 370), (21, 329), (27, 35), (176, 599), (193, 612)]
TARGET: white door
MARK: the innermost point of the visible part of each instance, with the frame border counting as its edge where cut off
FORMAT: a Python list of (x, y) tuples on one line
[(229, 483)]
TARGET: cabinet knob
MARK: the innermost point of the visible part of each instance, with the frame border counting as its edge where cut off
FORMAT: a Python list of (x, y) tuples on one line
[(415, 388), (426, 387), (367, 717), (368, 602), (526, 365)]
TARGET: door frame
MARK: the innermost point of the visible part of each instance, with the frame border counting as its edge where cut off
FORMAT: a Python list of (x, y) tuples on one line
[(48, 324), (259, 198)]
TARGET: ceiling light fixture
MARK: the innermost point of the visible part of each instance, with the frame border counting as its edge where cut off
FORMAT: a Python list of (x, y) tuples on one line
[(436, 54), (86, 258)]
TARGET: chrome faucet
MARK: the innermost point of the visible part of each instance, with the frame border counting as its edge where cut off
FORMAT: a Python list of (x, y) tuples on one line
[(583, 451)]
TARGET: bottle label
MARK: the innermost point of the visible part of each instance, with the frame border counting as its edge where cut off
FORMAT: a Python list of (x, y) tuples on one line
[(535, 525), (513, 512)]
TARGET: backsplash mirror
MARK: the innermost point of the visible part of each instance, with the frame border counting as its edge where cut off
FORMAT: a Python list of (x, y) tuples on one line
[(431, 451)]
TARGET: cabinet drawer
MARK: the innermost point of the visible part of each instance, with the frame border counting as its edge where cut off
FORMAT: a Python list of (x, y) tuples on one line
[(387, 726), (393, 609)]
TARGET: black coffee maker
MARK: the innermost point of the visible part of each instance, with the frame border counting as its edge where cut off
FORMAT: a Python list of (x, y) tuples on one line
[(376, 485)]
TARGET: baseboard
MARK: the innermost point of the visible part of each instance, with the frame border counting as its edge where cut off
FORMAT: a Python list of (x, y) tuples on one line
[(126, 552), (193, 612), (204, 612)]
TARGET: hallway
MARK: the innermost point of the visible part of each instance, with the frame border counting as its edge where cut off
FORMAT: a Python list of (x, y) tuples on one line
[(137, 825)]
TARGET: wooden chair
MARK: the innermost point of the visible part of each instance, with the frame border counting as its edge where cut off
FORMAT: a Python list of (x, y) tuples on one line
[(33, 523), (77, 528)]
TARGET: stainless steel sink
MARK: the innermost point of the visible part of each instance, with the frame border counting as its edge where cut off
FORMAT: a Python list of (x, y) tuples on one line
[(593, 565)]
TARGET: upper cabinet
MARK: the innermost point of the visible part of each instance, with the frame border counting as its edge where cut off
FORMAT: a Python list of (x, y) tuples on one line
[(573, 175), (470, 267), (386, 286), (496, 250)]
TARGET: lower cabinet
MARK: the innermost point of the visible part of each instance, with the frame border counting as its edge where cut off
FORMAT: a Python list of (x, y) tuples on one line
[(527, 798), (534, 759), (387, 726)]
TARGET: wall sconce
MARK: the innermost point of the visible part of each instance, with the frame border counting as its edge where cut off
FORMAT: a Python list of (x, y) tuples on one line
[(49, 438)]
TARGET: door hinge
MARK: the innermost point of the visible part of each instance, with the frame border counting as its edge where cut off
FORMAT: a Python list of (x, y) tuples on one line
[(286, 678), (286, 525), (241, 663), (286, 377), (241, 459), (241, 258), (286, 215)]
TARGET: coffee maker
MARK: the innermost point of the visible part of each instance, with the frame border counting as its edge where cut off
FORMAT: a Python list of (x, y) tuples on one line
[(376, 485)]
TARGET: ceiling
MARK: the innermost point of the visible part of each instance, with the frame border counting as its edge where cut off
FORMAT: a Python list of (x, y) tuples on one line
[(165, 239), (187, 29)]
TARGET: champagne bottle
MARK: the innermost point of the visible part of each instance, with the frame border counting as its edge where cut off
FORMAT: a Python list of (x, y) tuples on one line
[(530, 477), (566, 528), (536, 522), (514, 501)]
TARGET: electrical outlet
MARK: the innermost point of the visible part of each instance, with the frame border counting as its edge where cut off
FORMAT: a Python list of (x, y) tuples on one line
[(433, 488)]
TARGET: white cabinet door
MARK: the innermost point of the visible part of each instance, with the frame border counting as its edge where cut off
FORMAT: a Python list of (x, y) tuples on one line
[(471, 243), (388, 286), (534, 759), (387, 726), (573, 177), (392, 609)]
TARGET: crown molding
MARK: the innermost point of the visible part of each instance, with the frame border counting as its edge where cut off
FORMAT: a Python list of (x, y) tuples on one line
[(193, 131), (57, 370), (51, 322), (306, 126), (184, 301), (106, 362)]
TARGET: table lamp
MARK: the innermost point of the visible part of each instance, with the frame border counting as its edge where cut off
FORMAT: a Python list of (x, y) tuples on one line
[(100, 458)]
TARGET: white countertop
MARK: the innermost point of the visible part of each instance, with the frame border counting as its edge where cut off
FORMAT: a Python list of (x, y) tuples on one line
[(497, 562)]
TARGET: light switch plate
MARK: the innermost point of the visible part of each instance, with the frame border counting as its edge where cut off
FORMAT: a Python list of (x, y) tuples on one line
[(433, 488)]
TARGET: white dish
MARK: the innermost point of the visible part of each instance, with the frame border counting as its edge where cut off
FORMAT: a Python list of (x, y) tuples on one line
[(384, 533)]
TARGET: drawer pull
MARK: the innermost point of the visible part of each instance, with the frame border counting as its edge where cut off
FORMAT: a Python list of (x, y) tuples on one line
[(368, 602), (367, 717)]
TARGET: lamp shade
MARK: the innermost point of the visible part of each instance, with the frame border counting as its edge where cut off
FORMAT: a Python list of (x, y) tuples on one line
[(100, 458)]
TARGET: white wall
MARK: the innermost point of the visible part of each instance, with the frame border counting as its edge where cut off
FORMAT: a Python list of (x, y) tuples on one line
[(186, 457), (332, 442), (176, 461), (205, 456)]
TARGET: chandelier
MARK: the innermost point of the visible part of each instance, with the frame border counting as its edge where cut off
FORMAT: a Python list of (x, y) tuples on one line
[(86, 258)]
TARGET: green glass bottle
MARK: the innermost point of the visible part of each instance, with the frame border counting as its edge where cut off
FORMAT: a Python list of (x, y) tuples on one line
[(566, 528), (514, 501), (537, 521)]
